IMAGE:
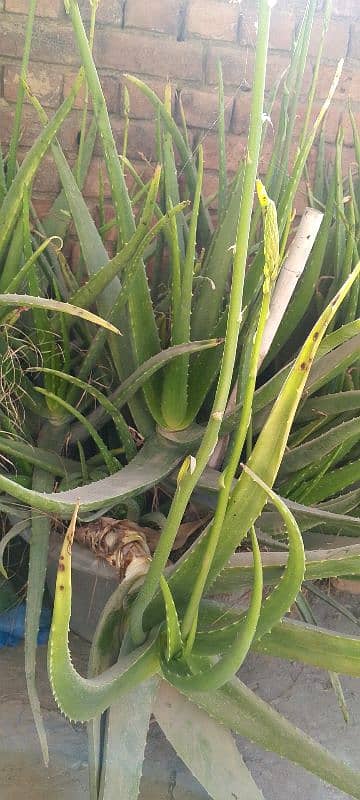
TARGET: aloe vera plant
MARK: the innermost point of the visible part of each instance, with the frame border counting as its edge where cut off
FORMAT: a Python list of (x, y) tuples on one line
[(179, 648)]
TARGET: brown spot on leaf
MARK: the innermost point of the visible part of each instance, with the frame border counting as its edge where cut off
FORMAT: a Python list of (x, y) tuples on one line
[(61, 567), (303, 365), (61, 588)]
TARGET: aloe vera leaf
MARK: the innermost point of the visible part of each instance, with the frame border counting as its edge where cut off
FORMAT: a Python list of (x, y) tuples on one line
[(204, 746), (335, 481), (19, 527), (80, 698), (316, 646), (11, 206), (246, 503), (174, 643), (175, 387), (143, 325), (127, 727), (319, 564), (330, 405), (321, 446), (134, 382), (119, 422), (15, 134), (170, 177), (14, 256), (238, 645), (156, 459), (111, 462), (292, 186), (278, 603), (240, 710), (22, 273), (217, 263), (26, 301), (46, 460), (42, 481), (58, 218), (103, 654), (186, 156)]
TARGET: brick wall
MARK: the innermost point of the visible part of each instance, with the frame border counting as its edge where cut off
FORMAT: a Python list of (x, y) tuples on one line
[(179, 39)]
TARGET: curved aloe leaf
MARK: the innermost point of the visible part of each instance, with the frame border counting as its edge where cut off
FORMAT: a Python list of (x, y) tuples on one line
[(319, 564), (278, 603), (45, 459), (26, 301), (238, 646), (80, 698), (155, 461)]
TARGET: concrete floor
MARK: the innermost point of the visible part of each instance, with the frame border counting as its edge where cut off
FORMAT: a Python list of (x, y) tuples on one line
[(303, 695)]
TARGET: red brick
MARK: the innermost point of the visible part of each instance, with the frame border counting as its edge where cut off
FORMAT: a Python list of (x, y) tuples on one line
[(69, 131), (348, 86), (235, 149), (42, 204), (237, 65), (202, 108), (148, 55), (355, 42), (213, 20), (108, 12), (52, 43), (336, 42), (154, 16), (30, 127), (241, 113), (110, 87), (45, 8), (283, 22), (141, 144), (45, 82), (92, 183)]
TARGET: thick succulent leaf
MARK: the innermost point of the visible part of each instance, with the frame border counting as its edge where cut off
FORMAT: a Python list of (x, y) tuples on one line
[(104, 652), (155, 461), (330, 405), (240, 710), (134, 382), (313, 645), (26, 301), (15, 530), (58, 218), (327, 563), (315, 449), (205, 747), (81, 698), (126, 732), (42, 481), (238, 643), (47, 460)]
